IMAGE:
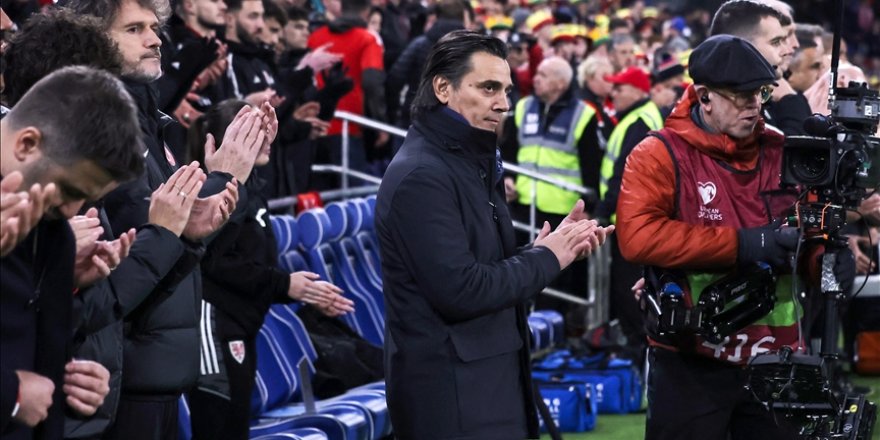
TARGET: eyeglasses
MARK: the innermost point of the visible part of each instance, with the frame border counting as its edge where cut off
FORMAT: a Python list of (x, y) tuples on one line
[(741, 99)]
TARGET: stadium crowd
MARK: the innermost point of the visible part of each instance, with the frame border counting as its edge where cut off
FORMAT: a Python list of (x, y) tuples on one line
[(142, 140)]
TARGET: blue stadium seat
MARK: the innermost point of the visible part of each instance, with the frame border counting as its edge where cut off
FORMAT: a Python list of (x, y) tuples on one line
[(540, 333), (296, 434), (556, 323), (317, 232), (184, 426), (327, 423), (292, 333)]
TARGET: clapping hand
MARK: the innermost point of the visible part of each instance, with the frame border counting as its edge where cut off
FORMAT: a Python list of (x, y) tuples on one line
[(308, 288), (172, 202), (20, 211), (209, 214), (241, 143), (577, 214), (96, 259)]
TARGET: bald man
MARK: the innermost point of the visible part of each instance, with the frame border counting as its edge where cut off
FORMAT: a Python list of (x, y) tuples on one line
[(554, 133)]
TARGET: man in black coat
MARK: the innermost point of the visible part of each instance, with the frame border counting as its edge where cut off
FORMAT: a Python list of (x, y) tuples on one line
[(76, 129), (456, 350), (162, 334)]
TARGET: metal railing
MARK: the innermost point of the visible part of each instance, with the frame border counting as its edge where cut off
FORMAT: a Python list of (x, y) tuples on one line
[(599, 263)]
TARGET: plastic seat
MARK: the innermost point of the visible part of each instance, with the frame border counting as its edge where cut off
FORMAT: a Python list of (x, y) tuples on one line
[(296, 434), (556, 325), (317, 232), (540, 333), (184, 424), (326, 423), (292, 333)]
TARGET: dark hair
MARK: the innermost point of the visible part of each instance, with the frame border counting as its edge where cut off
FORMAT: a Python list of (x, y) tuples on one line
[(742, 18), (53, 40), (296, 13), (84, 114), (272, 10), (214, 122), (355, 7), (451, 58), (106, 10), (449, 9), (616, 23), (235, 5), (806, 35)]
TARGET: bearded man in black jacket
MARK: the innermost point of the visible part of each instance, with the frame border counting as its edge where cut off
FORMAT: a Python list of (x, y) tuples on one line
[(161, 338), (76, 129)]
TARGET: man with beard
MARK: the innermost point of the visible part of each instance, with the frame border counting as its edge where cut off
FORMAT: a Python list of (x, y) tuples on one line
[(76, 129), (161, 340), (252, 78), (192, 58)]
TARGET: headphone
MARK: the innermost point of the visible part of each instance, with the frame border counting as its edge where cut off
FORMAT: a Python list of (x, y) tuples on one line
[(704, 99)]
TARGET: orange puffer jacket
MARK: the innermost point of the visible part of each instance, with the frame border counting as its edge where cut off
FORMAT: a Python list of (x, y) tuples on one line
[(646, 205)]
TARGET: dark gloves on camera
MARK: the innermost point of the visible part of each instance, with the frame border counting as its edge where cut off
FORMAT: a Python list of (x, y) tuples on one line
[(771, 244), (844, 269), (336, 85)]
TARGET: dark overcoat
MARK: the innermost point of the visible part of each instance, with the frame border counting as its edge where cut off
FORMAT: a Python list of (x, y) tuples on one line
[(456, 344)]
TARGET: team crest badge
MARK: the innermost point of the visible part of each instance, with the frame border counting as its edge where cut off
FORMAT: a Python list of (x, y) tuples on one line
[(707, 191), (236, 348)]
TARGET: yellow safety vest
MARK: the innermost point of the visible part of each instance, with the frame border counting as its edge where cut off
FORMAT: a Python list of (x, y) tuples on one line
[(550, 150), (650, 114)]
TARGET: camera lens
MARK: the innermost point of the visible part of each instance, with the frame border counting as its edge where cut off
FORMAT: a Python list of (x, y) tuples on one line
[(810, 168)]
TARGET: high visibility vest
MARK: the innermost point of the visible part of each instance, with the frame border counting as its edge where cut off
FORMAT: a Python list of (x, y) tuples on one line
[(650, 114), (550, 150)]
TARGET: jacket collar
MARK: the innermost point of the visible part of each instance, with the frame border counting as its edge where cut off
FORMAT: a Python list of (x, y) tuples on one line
[(345, 23), (740, 153), (454, 133)]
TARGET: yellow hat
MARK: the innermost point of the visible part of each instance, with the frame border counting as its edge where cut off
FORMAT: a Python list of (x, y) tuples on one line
[(564, 32), (497, 22), (539, 19)]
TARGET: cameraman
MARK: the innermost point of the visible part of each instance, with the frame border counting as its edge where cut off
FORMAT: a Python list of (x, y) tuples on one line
[(698, 198)]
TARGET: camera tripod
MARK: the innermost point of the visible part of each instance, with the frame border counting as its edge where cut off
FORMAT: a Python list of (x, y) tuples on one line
[(801, 386)]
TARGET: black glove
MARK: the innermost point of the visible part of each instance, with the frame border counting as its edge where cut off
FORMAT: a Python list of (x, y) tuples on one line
[(770, 244), (336, 85), (193, 57), (845, 270)]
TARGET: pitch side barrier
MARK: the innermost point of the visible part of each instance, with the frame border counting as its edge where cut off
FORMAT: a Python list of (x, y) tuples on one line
[(597, 301)]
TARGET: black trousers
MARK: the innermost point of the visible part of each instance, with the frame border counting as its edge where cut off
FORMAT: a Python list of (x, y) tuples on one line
[(145, 417), (692, 397), (220, 403), (623, 304)]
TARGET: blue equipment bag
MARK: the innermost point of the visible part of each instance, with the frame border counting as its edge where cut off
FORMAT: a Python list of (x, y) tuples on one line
[(571, 405), (617, 384)]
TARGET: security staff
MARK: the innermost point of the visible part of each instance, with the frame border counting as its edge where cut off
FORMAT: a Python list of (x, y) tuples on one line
[(554, 133), (640, 113)]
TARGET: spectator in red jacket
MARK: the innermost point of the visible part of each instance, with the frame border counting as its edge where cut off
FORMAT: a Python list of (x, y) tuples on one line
[(362, 59)]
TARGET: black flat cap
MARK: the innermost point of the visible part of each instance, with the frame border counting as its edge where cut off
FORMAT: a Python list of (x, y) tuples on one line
[(730, 62)]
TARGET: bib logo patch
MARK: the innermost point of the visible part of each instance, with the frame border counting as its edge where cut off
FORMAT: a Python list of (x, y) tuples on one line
[(707, 191), (236, 349)]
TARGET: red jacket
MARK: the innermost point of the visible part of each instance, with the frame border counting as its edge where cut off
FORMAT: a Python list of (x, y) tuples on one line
[(360, 51), (647, 198)]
